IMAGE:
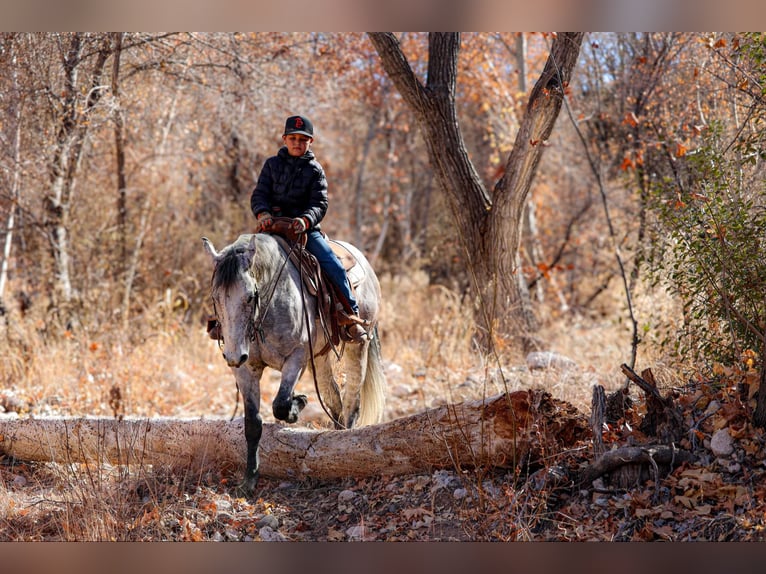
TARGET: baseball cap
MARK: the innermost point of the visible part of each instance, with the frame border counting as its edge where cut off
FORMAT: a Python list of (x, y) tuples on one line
[(299, 125)]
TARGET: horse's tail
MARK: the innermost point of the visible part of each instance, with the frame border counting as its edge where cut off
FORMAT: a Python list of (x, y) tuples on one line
[(373, 399)]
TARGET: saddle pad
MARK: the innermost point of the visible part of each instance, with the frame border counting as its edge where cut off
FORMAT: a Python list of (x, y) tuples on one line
[(350, 264)]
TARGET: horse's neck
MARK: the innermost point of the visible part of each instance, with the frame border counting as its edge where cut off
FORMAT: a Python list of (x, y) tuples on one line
[(267, 261)]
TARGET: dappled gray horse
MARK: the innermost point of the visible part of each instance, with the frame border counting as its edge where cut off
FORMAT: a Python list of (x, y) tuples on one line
[(266, 320)]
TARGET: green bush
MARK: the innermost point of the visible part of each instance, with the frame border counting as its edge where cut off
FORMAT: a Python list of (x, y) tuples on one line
[(712, 212)]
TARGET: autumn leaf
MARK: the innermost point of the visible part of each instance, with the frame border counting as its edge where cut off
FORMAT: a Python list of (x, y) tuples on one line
[(630, 119), (335, 535), (415, 513)]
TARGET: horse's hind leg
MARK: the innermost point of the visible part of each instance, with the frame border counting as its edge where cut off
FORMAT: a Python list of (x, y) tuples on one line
[(328, 389)]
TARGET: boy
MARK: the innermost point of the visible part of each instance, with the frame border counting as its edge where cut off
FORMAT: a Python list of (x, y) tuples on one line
[(293, 184)]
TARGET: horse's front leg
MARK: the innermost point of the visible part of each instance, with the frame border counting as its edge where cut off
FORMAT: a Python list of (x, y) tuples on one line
[(248, 382), (286, 405)]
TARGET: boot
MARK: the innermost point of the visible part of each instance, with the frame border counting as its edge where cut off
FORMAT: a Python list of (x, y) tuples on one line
[(356, 333), (348, 318)]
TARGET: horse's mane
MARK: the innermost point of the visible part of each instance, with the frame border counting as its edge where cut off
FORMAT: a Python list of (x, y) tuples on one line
[(234, 260), (228, 268)]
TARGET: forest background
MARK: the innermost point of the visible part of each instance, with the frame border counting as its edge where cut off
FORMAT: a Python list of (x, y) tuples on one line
[(121, 150), (642, 238)]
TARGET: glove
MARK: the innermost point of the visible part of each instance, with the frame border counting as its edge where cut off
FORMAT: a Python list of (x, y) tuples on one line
[(264, 220), (300, 225)]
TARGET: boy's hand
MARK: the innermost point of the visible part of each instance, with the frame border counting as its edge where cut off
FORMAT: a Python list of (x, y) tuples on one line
[(299, 225), (264, 220)]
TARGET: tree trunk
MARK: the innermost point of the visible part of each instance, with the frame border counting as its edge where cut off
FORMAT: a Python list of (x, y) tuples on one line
[(14, 117), (119, 150), (357, 215), (488, 225), (504, 431), (73, 126)]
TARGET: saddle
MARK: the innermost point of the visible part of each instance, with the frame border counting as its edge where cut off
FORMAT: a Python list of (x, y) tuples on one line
[(332, 308)]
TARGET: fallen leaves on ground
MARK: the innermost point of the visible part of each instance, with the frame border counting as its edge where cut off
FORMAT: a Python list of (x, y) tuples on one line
[(719, 497)]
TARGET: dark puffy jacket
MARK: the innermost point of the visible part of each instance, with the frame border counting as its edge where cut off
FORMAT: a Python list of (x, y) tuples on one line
[(291, 187)]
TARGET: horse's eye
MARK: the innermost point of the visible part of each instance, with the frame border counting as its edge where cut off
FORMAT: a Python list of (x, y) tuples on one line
[(250, 299)]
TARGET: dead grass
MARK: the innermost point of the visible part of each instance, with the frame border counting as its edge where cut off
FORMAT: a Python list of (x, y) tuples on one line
[(176, 370)]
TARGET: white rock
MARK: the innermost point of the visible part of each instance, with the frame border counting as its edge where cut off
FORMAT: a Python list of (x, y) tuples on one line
[(722, 444), (549, 360)]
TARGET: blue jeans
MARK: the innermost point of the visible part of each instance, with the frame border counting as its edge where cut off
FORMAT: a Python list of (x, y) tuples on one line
[(317, 245)]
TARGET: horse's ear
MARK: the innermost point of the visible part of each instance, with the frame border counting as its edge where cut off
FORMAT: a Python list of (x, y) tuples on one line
[(209, 248)]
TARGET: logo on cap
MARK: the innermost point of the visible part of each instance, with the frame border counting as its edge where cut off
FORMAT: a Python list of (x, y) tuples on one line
[(298, 123)]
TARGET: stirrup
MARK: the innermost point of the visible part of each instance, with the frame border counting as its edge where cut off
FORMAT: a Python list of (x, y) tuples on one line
[(355, 333), (351, 319)]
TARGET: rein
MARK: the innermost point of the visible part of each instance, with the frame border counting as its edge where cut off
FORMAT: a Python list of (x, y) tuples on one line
[(311, 345)]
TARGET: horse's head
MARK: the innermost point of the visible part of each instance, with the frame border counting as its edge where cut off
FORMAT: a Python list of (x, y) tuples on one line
[(235, 297)]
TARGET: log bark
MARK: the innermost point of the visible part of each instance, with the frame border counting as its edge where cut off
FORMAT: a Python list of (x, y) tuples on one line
[(504, 431)]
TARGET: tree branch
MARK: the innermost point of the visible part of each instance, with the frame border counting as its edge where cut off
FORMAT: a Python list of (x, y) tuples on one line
[(398, 69)]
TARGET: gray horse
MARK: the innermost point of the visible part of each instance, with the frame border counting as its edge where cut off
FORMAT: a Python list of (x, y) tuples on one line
[(268, 320)]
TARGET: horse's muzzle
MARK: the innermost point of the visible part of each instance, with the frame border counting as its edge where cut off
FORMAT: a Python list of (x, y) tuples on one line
[(236, 363)]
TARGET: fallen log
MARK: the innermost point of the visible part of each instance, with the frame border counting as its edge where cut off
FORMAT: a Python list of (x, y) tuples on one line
[(502, 431)]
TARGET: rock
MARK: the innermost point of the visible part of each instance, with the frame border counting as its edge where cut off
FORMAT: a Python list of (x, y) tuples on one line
[(722, 444), (459, 493), (346, 495), (223, 506), (712, 408), (268, 521), (402, 391), (231, 534), (444, 479), (730, 466), (549, 360), (269, 535)]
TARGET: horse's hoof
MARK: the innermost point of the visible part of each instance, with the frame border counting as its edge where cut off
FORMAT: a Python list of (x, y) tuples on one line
[(300, 401), (282, 411), (289, 411), (246, 488)]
